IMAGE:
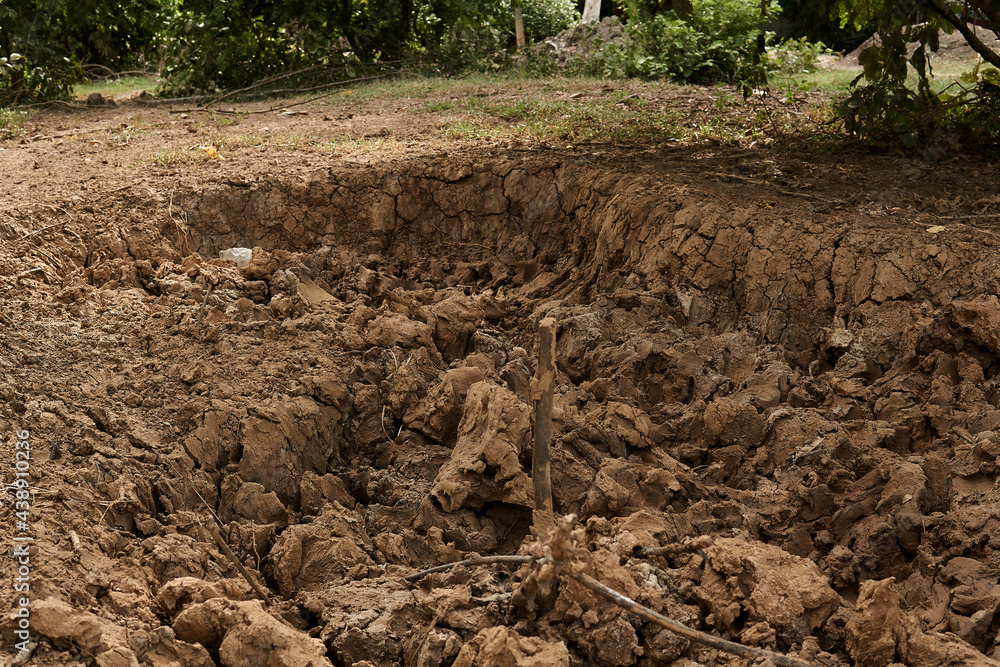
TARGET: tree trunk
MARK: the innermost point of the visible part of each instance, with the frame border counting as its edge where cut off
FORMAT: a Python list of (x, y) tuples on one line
[(518, 25), (345, 22), (403, 27)]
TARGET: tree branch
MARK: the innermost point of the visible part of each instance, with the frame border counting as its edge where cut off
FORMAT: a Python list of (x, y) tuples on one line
[(970, 36)]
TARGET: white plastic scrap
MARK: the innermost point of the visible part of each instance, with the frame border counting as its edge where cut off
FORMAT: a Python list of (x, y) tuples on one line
[(239, 255)]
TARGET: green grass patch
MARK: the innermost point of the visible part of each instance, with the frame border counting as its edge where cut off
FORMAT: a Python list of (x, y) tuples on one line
[(617, 118), (822, 80), (126, 84), (609, 119), (839, 80), (12, 123)]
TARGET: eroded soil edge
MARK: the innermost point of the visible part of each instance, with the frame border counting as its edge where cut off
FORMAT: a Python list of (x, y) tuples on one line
[(812, 388)]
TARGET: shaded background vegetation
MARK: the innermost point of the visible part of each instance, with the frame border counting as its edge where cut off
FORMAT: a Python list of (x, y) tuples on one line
[(205, 47)]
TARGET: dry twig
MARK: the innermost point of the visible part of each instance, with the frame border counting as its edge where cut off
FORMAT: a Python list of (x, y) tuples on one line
[(29, 272), (258, 84), (43, 229), (790, 193), (685, 547), (476, 560), (213, 529), (972, 216), (206, 108), (684, 631), (561, 550)]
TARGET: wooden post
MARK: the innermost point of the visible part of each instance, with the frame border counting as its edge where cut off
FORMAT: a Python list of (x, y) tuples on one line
[(518, 25), (543, 385), (591, 11)]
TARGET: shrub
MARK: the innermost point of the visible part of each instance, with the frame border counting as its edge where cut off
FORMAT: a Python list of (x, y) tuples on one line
[(717, 40), (893, 104), (56, 37), (224, 45), (891, 115), (795, 56), (544, 18)]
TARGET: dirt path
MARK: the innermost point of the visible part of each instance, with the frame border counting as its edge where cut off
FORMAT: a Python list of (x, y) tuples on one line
[(791, 352)]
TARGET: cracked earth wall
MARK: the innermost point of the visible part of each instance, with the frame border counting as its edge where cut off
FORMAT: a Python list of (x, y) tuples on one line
[(790, 273)]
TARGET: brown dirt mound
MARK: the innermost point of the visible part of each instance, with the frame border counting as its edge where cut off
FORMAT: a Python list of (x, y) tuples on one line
[(793, 354), (952, 48)]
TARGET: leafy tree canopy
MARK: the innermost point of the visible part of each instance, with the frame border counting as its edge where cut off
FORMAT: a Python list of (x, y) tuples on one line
[(206, 46)]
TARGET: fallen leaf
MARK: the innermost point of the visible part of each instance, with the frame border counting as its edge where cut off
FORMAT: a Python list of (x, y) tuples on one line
[(936, 229), (212, 153)]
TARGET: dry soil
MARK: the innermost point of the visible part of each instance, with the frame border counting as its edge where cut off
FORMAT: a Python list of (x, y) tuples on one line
[(790, 352)]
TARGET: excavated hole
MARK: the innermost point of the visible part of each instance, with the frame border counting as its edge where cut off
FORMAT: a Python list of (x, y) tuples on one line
[(732, 369)]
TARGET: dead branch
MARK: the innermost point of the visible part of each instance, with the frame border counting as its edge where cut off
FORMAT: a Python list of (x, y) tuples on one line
[(684, 631), (630, 605), (287, 75), (685, 547), (213, 529), (44, 229), (790, 193), (475, 560), (206, 109), (157, 101), (541, 391), (560, 545), (50, 103), (262, 82), (261, 593), (113, 74), (972, 216), (322, 86), (945, 12)]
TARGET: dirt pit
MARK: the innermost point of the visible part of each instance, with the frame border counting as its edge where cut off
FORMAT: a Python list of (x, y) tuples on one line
[(810, 381)]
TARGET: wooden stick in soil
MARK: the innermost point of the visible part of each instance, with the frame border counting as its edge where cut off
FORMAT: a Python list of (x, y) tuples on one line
[(214, 530), (684, 631), (204, 302), (542, 388)]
